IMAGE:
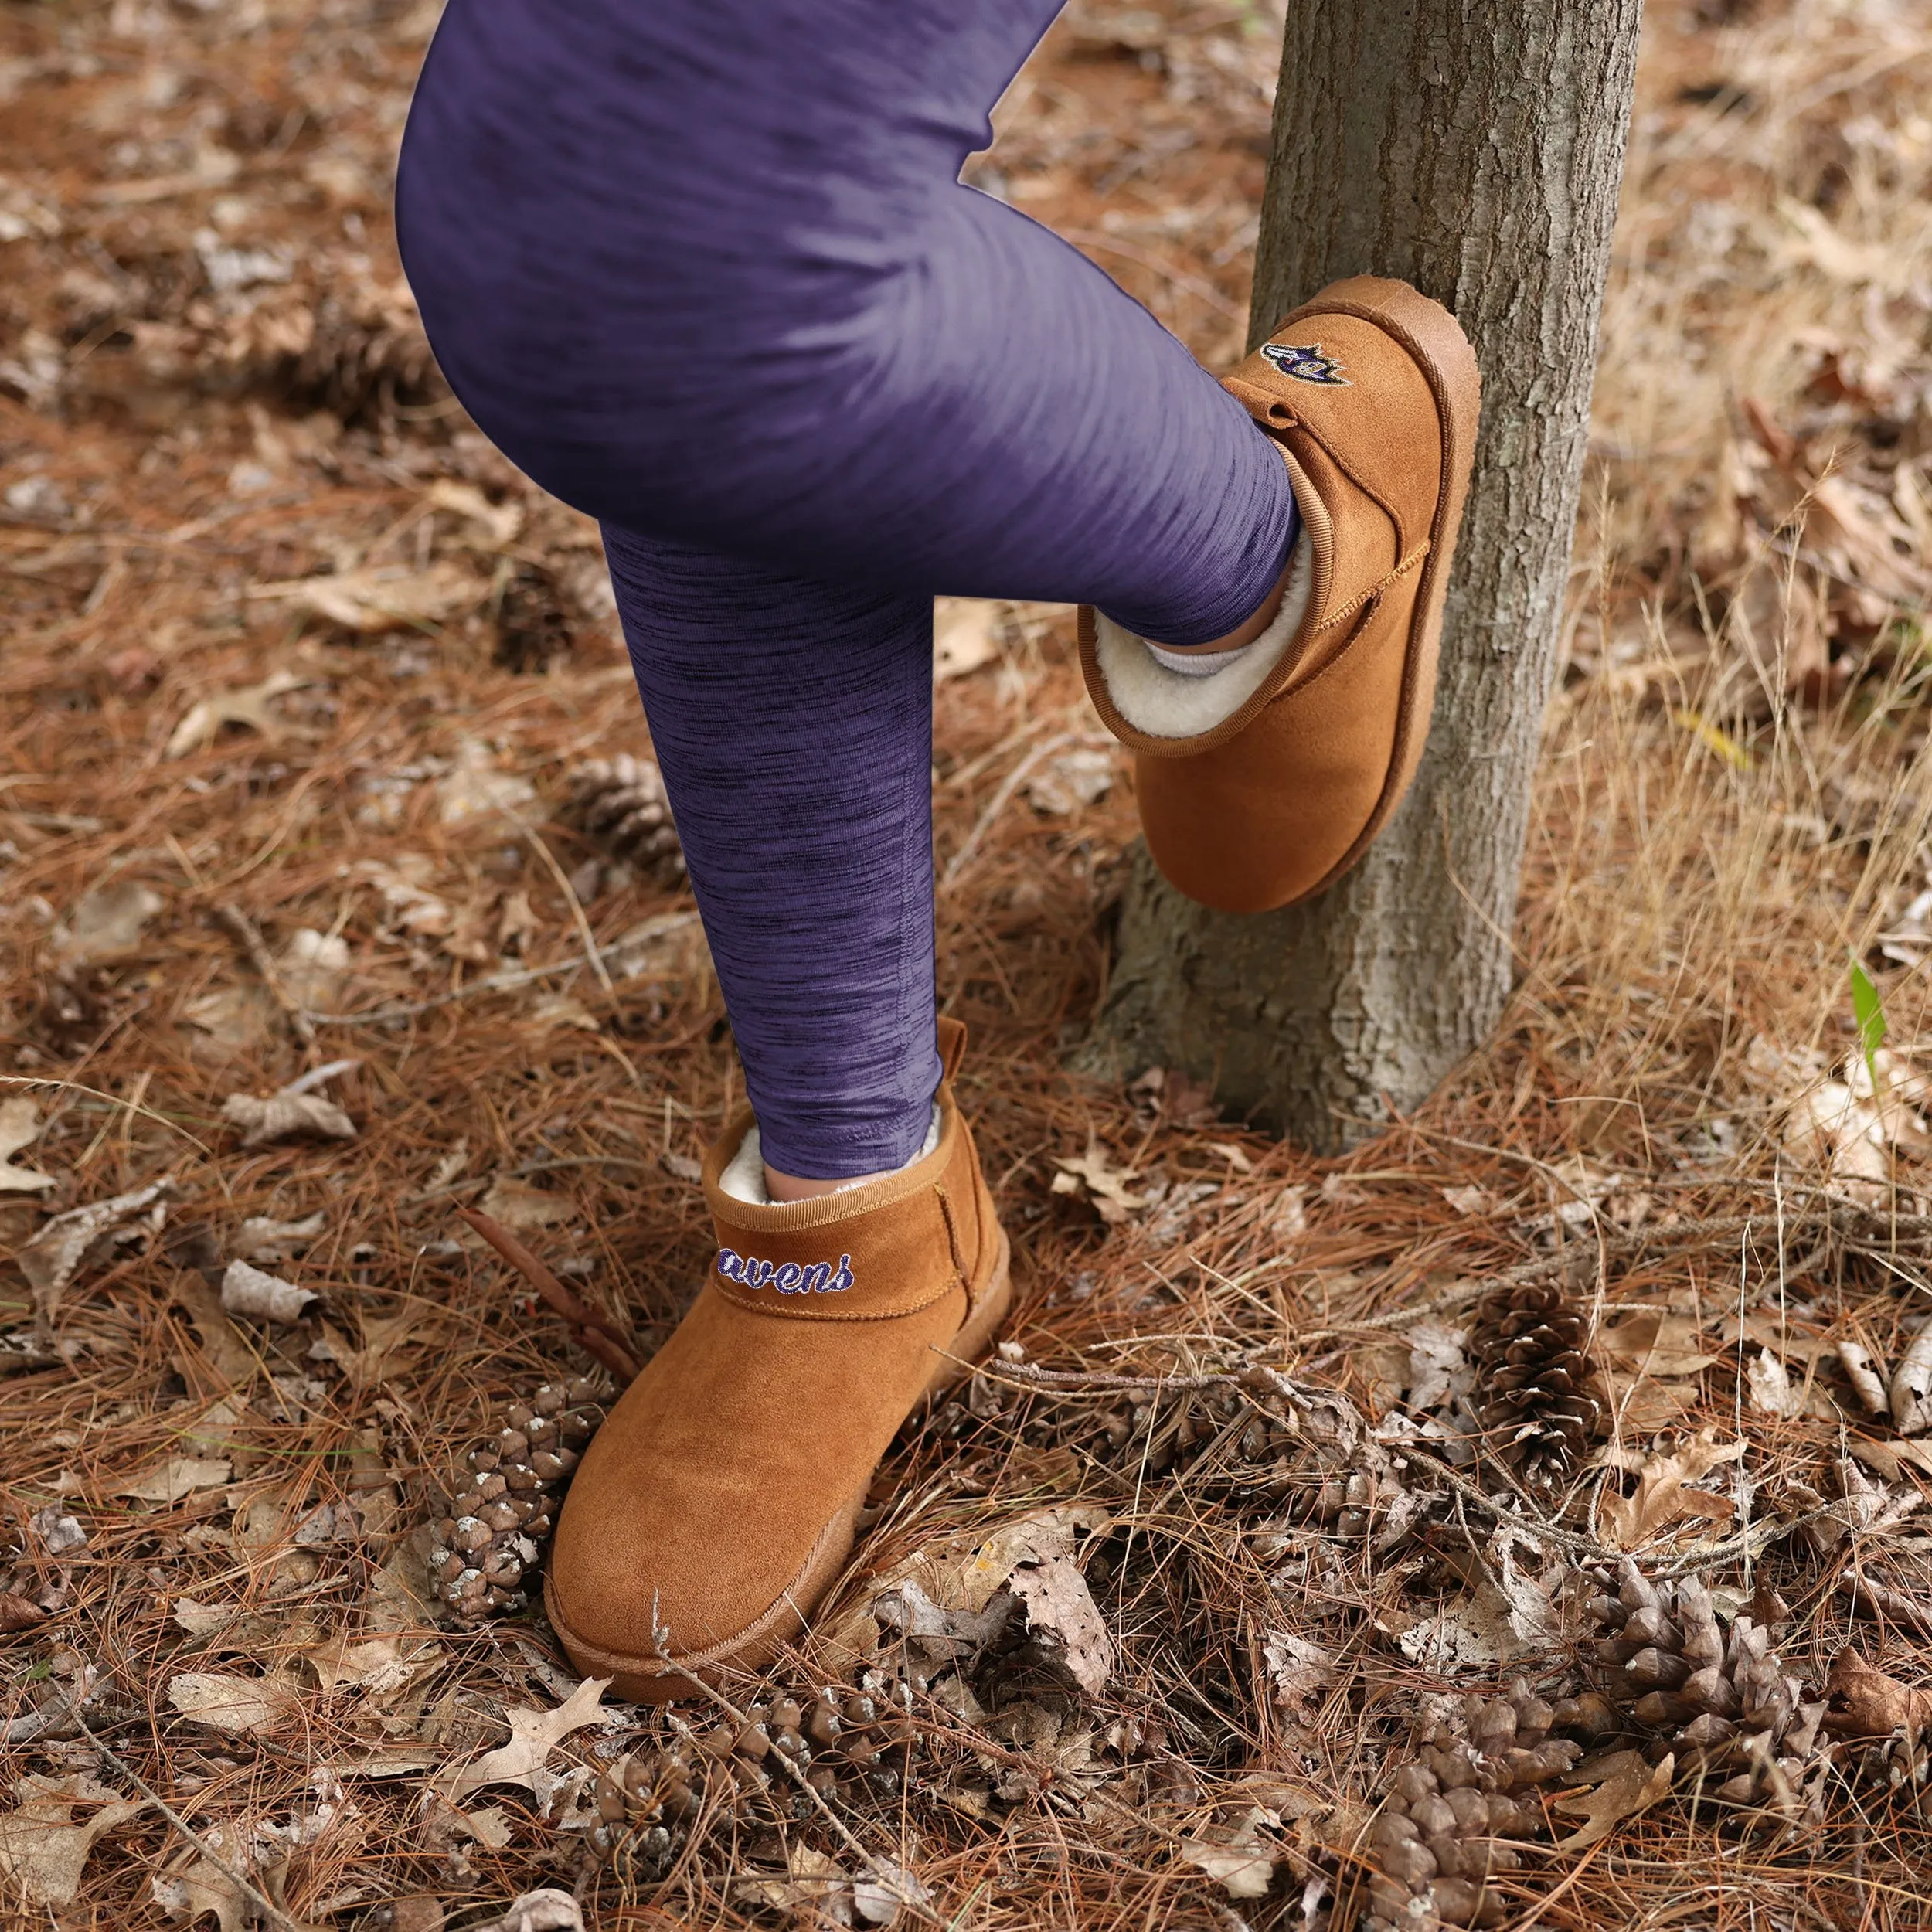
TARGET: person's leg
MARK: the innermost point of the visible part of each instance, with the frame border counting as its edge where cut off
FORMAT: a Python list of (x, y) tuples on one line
[(793, 722), (704, 269)]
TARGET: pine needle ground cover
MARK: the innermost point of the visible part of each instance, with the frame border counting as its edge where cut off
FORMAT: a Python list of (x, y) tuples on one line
[(1520, 1522)]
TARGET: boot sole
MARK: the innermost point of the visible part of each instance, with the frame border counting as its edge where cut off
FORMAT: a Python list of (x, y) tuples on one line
[(1435, 341), (642, 1681)]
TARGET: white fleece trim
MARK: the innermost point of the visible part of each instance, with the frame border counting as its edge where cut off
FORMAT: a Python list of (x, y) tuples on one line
[(743, 1177), (1172, 704)]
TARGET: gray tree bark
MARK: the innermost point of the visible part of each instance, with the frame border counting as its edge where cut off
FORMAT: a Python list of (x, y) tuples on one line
[(1474, 147)]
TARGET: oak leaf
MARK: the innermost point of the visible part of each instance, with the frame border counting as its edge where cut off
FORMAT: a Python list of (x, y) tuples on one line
[(534, 1734)]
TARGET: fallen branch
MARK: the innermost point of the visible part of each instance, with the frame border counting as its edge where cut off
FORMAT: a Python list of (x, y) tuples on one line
[(591, 1331)]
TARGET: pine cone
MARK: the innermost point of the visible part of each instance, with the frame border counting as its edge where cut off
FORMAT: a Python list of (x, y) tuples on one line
[(488, 1543), (1456, 1813), (1739, 1727), (532, 626), (1537, 1390), (621, 802), (850, 1745)]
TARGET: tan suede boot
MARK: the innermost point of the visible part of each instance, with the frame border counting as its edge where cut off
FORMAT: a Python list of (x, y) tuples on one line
[(718, 1502), (1263, 782)]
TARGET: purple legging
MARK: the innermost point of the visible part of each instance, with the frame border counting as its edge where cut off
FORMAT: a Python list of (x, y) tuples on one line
[(704, 269)]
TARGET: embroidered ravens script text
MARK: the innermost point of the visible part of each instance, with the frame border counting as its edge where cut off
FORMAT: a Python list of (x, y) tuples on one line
[(788, 1277)]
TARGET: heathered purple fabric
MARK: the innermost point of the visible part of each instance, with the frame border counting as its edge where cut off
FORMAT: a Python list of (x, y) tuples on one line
[(704, 269)]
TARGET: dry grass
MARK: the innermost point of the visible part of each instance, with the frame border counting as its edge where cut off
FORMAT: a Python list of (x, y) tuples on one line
[(1732, 804)]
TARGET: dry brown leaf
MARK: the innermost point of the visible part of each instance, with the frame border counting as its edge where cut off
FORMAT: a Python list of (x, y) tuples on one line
[(60, 1246), (534, 1734), (384, 596), (1646, 1405), (260, 1238), (223, 1701), (517, 923), (266, 1297), (1077, 777), (518, 1205), (231, 1356), (179, 1476), (204, 1887), (965, 636), (1814, 242), (1475, 1631), (314, 968), (269, 1118), (412, 907), (1436, 1373), (294, 1112), (561, 1010), (1863, 1374), (815, 1888), (1865, 1702), (1299, 1673), (1242, 1863), (879, 1898), (1773, 1392), (1628, 1785), (1063, 1620), (382, 1336), (107, 925), (1892, 1459), (1654, 1344), (378, 1666), (1911, 1394), (1664, 1496), (475, 789), (58, 1531), (380, 1761), (547, 1910), (19, 1127), (500, 521), (962, 1574), (42, 1851), (1093, 1177), (248, 705), (18, 1613)]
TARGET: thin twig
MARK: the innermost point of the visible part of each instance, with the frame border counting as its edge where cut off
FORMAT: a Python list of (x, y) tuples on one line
[(259, 1900), (591, 1331), (592, 954), (251, 943)]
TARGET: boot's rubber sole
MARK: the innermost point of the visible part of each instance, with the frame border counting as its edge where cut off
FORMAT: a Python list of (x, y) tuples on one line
[(660, 1681), (1441, 351)]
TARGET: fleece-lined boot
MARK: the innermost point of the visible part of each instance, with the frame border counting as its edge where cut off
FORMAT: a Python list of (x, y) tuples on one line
[(717, 1504), (1262, 781)]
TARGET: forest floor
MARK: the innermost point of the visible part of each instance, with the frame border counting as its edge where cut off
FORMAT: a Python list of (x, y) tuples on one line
[(299, 683)]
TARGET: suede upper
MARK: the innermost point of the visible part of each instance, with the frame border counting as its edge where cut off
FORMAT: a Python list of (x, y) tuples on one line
[(1371, 398), (719, 1496)]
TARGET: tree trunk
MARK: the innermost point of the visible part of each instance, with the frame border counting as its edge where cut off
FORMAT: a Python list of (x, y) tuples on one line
[(1472, 148)]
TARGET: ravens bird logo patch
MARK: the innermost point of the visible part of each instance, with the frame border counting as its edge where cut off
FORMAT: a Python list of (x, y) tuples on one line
[(1305, 364)]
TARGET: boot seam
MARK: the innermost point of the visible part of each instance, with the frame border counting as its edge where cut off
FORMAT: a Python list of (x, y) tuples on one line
[(1362, 483)]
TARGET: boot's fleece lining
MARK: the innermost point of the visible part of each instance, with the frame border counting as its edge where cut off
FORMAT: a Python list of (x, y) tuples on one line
[(1172, 704), (743, 1179)]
